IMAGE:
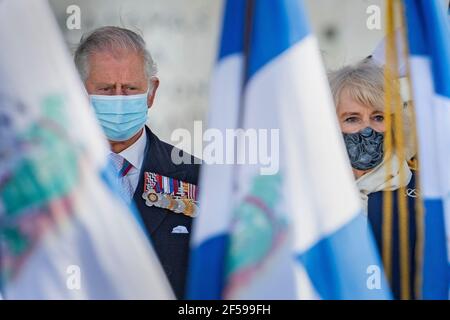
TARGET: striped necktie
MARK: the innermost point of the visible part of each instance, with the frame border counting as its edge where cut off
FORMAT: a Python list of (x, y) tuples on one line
[(123, 167)]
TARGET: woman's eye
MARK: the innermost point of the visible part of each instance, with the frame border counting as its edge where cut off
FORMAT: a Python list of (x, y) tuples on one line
[(379, 118), (351, 119)]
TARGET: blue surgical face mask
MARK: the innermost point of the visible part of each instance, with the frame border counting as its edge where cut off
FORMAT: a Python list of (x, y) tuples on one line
[(121, 117)]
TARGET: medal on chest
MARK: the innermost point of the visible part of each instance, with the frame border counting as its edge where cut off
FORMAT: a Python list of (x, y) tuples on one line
[(169, 193)]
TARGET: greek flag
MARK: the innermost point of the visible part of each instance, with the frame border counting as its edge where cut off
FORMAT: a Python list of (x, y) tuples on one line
[(293, 233), (64, 232), (429, 43)]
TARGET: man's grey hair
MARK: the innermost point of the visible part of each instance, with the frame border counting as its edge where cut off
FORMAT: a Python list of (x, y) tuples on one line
[(111, 39)]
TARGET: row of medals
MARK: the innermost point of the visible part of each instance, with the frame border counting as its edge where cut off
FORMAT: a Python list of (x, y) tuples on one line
[(178, 204)]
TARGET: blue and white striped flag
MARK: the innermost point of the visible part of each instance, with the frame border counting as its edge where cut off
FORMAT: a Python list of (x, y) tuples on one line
[(296, 233), (64, 232), (429, 43)]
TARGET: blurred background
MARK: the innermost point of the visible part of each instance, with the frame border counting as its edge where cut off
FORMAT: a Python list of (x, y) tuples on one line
[(183, 37)]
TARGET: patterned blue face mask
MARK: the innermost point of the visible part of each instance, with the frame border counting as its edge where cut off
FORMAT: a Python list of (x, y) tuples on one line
[(121, 117), (364, 148)]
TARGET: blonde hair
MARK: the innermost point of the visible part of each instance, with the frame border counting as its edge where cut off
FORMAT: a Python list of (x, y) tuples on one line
[(365, 83)]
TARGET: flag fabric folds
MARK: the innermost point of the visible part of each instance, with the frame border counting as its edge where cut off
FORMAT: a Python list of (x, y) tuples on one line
[(429, 44), (296, 233), (65, 233)]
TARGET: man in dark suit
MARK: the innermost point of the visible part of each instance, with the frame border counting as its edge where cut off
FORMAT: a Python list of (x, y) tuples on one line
[(120, 78)]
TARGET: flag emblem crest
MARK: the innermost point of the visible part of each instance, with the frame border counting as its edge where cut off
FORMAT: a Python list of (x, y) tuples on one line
[(34, 183), (257, 231)]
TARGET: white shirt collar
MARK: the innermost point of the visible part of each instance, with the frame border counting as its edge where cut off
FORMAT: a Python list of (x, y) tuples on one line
[(135, 153)]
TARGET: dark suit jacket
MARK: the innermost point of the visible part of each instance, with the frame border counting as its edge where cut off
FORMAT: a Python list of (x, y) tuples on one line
[(172, 248)]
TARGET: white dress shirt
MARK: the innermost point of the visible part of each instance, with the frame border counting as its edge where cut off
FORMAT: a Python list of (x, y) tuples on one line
[(134, 154)]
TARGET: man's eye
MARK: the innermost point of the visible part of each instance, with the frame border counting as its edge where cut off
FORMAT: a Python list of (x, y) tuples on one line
[(104, 89)]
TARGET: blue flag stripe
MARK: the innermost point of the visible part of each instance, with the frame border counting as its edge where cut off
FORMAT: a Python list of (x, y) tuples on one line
[(327, 264), (206, 279), (416, 34), (435, 268), (232, 40), (439, 35), (277, 25), (430, 36)]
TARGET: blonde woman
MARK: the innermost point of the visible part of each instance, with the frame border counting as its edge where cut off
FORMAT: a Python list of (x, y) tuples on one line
[(358, 93)]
